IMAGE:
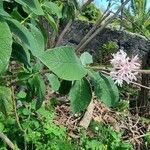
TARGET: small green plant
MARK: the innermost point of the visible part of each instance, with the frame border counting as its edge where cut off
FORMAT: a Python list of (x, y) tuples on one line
[(37, 129), (105, 52), (104, 138), (90, 13)]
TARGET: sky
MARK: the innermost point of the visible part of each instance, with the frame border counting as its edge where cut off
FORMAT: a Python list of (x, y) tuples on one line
[(103, 3)]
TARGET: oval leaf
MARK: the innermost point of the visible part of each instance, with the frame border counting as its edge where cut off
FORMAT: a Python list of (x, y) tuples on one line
[(5, 45), (25, 36), (52, 8), (65, 87), (64, 63), (38, 89), (52, 22), (6, 105), (86, 58), (34, 5), (18, 53), (105, 89), (80, 95), (4, 13), (38, 36), (54, 81)]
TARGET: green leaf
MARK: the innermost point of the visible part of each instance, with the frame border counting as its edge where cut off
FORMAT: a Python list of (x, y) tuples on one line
[(34, 5), (43, 31), (105, 89), (80, 95), (5, 45), (25, 36), (3, 13), (1, 127), (37, 67), (20, 54), (38, 85), (26, 112), (38, 36), (54, 81), (1, 4), (52, 8), (16, 15), (23, 76), (21, 95), (6, 105), (86, 58), (52, 22), (64, 63), (65, 87)]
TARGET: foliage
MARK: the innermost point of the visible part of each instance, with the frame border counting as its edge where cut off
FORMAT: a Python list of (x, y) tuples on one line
[(137, 18), (41, 132), (105, 52), (69, 9), (80, 95), (54, 81), (64, 63), (105, 138), (29, 49), (90, 13), (27, 65), (5, 42)]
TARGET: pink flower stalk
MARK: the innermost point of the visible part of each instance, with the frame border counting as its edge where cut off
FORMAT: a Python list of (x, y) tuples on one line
[(124, 68)]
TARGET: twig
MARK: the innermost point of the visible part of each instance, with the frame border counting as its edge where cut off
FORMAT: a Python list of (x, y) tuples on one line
[(96, 26), (104, 70), (7, 141), (98, 68), (17, 118), (15, 111), (28, 17), (67, 27), (63, 32), (138, 137), (103, 25), (143, 71), (140, 85)]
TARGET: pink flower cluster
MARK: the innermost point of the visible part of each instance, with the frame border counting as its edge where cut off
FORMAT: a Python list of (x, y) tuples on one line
[(124, 68)]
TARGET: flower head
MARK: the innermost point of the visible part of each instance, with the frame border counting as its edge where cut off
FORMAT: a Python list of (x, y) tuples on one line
[(124, 68)]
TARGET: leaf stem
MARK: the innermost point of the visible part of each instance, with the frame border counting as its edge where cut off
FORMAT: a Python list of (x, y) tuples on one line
[(17, 118), (29, 16), (143, 71)]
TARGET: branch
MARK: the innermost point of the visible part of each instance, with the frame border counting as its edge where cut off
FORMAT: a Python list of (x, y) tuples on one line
[(106, 71), (96, 26), (7, 141), (64, 32), (86, 4), (140, 85), (67, 27), (103, 25), (143, 71)]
